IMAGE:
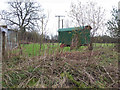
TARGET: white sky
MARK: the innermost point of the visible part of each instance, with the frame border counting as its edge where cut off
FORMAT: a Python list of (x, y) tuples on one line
[(59, 7)]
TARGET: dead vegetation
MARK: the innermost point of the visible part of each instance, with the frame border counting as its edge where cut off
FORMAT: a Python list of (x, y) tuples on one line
[(63, 70)]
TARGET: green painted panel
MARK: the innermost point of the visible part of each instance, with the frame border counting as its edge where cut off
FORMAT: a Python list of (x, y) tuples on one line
[(65, 35)]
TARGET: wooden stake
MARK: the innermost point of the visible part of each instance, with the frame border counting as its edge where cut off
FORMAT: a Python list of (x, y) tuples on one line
[(3, 45)]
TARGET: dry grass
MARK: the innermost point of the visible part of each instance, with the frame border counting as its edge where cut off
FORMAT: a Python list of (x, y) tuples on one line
[(96, 69)]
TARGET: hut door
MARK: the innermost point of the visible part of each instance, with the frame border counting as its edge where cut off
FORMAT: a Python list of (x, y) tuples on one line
[(3, 44)]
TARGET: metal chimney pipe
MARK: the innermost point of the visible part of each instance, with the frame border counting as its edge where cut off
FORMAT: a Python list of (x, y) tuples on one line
[(62, 23)]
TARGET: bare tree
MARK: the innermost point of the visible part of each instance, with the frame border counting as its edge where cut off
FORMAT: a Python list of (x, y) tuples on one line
[(87, 14), (68, 23), (22, 14)]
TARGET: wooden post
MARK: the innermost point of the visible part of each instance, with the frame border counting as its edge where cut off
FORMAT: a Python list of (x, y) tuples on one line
[(0, 46), (3, 45), (62, 23), (0, 60)]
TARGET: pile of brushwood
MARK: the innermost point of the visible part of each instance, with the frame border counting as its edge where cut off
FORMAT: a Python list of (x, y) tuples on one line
[(93, 69)]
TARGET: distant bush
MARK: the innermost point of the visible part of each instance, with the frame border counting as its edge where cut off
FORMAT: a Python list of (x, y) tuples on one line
[(104, 39)]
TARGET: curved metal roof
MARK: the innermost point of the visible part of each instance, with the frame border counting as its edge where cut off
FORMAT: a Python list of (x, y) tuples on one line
[(74, 28)]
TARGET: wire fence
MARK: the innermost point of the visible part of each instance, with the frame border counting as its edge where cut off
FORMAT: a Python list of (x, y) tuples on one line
[(44, 64)]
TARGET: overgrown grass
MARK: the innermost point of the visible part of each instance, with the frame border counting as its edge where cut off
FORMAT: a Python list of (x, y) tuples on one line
[(81, 69)]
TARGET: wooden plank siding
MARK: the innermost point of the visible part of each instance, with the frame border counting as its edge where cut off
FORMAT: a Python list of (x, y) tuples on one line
[(8, 40)]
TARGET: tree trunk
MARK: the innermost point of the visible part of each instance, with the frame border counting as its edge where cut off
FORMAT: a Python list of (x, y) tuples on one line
[(90, 47)]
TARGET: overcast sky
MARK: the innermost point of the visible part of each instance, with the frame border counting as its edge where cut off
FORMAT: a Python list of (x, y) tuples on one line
[(59, 7)]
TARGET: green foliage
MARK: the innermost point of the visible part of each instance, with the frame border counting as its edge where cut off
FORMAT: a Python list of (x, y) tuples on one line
[(30, 69), (78, 84), (32, 82), (12, 62), (113, 25), (100, 84), (13, 79)]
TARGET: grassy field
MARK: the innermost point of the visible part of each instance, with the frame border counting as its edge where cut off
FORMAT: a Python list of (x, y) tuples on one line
[(55, 67), (50, 48)]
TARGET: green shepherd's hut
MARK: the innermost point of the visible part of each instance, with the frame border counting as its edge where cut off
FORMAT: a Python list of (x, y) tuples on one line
[(74, 37)]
